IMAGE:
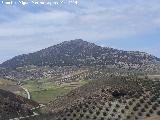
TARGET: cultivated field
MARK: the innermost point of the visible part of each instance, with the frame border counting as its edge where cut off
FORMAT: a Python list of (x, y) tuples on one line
[(44, 91)]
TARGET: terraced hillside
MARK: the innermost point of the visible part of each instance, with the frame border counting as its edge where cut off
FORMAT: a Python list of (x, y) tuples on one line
[(115, 98), (118, 99)]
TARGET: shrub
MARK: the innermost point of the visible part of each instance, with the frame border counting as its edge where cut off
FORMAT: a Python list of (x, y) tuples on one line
[(151, 111), (135, 108), (126, 107), (114, 110), (87, 117), (117, 105), (97, 113), (122, 111), (130, 103), (158, 113), (140, 114), (128, 116), (94, 117), (104, 114), (143, 110), (148, 115)]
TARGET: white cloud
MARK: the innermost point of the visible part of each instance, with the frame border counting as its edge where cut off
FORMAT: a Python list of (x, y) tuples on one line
[(91, 20)]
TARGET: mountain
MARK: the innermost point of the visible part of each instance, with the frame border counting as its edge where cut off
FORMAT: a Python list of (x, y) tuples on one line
[(81, 53), (13, 106)]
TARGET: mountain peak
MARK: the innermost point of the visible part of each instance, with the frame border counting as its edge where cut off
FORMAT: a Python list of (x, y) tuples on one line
[(74, 45), (77, 41), (78, 52)]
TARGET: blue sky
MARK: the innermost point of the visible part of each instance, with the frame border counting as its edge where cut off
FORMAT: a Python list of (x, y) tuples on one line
[(122, 24)]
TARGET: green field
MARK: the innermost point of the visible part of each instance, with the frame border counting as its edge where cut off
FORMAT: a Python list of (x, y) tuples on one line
[(43, 91)]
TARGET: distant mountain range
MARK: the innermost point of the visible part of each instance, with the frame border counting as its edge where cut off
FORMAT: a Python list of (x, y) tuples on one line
[(81, 53)]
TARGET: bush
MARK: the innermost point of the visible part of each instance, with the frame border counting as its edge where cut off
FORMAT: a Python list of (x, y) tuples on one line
[(126, 107), (148, 115), (158, 113)]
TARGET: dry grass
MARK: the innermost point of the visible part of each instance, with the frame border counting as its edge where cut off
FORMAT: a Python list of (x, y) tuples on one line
[(153, 118), (11, 86)]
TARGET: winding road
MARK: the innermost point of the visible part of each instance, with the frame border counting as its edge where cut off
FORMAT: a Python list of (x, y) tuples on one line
[(26, 90), (34, 113)]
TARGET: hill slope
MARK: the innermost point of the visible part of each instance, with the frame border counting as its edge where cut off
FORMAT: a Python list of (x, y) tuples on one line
[(12, 106), (80, 53), (108, 98)]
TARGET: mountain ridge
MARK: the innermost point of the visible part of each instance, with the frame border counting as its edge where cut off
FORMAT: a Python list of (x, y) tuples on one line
[(80, 53)]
